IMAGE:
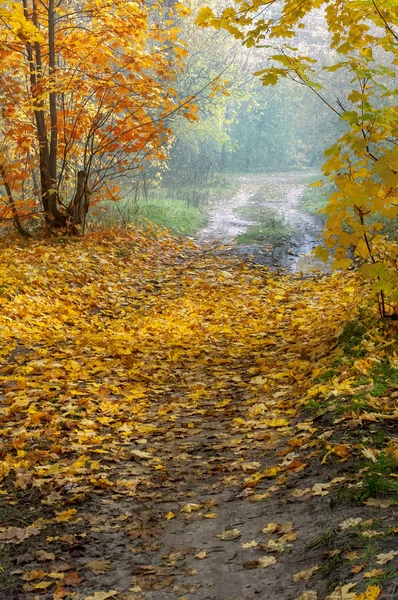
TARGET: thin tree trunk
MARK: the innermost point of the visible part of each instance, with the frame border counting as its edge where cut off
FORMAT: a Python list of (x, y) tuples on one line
[(47, 155), (53, 97), (11, 202)]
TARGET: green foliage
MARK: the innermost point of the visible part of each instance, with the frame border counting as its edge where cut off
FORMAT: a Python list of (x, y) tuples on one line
[(379, 478), (363, 164)]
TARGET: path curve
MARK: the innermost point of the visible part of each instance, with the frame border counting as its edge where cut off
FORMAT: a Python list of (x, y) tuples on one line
[(280, 192)]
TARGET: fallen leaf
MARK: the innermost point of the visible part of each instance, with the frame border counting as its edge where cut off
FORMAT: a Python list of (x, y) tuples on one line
[(32, 575), (350, 522), (102, 595), (275, 422), (43, 555), (266, 561), (270, 528), (309, 595), (43, 585), (251, 467), (141, 454), (320, 489), (201, 554), (297, 493), (371, 593), (373, 573), (306, 574), (72, 579), (369, 454), (251, 544), (4, 470), (170, 515), (256, 409), (229, 534), (378, 503), (191, 507), (99, 566), (358, 568), (66, 515), (382, 559), (259, 380), (17, 534), (278, 527), (342, 592)]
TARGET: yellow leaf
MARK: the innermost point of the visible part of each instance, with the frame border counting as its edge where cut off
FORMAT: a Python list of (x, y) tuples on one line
[(4, 470), (371, 593), (170, 515), (342, 592), (66, 515), (190, 507), (266, 561), (102, 595), (373, 573), (42, 585), (306, 574), (229, 534), (275, 422), (251, 544)]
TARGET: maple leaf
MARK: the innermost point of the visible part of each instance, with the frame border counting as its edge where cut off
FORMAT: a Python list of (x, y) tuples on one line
[(229, 534), (306, 574), (382, 559), (266, 561)]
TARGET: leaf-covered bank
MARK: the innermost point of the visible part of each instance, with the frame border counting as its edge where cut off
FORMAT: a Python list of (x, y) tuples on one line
[(178, 424)]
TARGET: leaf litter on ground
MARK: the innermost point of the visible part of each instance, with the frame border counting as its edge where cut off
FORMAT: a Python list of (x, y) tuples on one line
[(143, 378)]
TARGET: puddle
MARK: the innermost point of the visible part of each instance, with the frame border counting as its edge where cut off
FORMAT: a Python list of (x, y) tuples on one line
[(281, 194)]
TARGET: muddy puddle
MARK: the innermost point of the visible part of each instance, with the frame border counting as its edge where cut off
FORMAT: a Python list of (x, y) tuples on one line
[(264, 220)]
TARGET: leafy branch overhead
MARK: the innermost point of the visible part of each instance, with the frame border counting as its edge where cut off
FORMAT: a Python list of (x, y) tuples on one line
[(363, 163)]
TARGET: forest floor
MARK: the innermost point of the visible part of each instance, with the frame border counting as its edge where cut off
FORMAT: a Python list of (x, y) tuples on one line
[(181, 423)]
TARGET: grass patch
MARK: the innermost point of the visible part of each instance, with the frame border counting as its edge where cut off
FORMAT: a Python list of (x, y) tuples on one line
[(314, 199), (174, 214), (182, 209), (380, 476), (268, 227)]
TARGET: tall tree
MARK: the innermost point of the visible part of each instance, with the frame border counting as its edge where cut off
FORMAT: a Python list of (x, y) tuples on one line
[(87, 94)]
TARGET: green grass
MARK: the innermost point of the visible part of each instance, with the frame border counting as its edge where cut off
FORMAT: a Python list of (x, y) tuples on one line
[(313, 200), (182, 209), (269, 226), (173, 214)]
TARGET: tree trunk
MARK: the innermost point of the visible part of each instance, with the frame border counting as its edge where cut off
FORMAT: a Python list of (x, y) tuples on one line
[(78, 208), (11, 203)]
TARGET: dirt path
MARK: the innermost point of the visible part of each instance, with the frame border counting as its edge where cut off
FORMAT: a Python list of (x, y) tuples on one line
[(281, 193), (157, 442)]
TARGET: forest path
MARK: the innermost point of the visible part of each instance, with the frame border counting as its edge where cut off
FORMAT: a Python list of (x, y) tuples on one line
[(157, 442), (268, 197)]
